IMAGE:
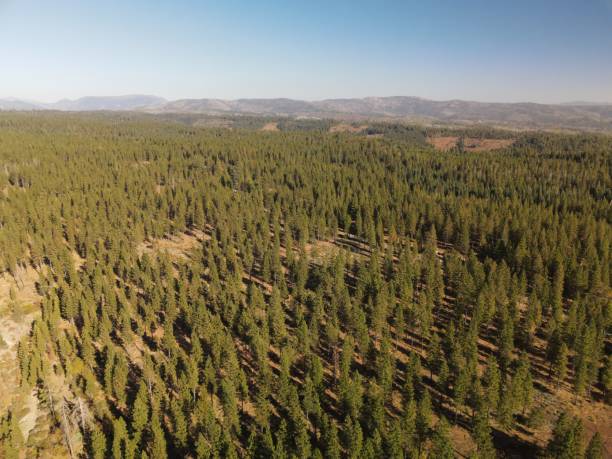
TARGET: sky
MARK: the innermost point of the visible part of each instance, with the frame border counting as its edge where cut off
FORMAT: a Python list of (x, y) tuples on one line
[(484, 50)]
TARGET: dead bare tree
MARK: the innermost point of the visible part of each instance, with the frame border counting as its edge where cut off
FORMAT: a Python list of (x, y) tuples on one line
[(65, 426)]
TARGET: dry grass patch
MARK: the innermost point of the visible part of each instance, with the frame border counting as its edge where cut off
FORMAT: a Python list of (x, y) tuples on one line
[(595, 416), (343, 127), (77, 259), (22, 286), (176, 245), (320, 250), (18, 297), (462, 440), (470, 144), (270, 127)]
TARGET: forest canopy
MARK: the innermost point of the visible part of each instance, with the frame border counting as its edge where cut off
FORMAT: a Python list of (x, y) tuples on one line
[(213, 292)]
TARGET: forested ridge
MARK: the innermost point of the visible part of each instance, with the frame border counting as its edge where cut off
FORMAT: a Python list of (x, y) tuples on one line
[(340, 296)]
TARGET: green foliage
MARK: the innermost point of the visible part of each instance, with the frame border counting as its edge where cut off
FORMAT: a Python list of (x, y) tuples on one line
[(442, 447), (567, 438), (248, 294), (595, 448)]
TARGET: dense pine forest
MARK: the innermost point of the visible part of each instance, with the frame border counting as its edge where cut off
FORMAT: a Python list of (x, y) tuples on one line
[(176, 291)]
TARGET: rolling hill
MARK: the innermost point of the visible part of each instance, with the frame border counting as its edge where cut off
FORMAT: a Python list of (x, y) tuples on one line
[(510, 115), (519, 115)]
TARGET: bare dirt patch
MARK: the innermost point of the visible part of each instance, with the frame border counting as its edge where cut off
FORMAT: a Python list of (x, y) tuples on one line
[(343, 127), (18, 300), (443, 143), (22, 285), (470, 144), (270, 127), (178, 245), (462, 441), (30, 406), (320, 250), (78, 260), (594, 415)]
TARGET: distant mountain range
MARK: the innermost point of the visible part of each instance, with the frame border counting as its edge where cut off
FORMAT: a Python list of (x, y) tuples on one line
[(84, 104), (16, 104), (116, 103), (514, 115)]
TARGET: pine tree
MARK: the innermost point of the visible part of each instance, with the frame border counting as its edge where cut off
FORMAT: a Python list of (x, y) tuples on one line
[(481, 433), (566, 441), (230, 405), (120, 378), (11, 438), (332, 444), (560, 364), (505, 407), (179, 423), (595, 448), (351, 437), (158, 444), (522, 383), (606, 377), (120, 438), (409, 427), (460, 390), (492, 381), (140, 408), (423, 418), (97, 448), (441, 445)]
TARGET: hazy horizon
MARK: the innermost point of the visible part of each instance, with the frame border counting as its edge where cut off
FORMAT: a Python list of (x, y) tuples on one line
[(542, 52), (102, 96)]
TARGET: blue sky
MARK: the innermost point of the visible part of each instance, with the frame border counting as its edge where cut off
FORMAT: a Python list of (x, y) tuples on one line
[(509, 51)]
